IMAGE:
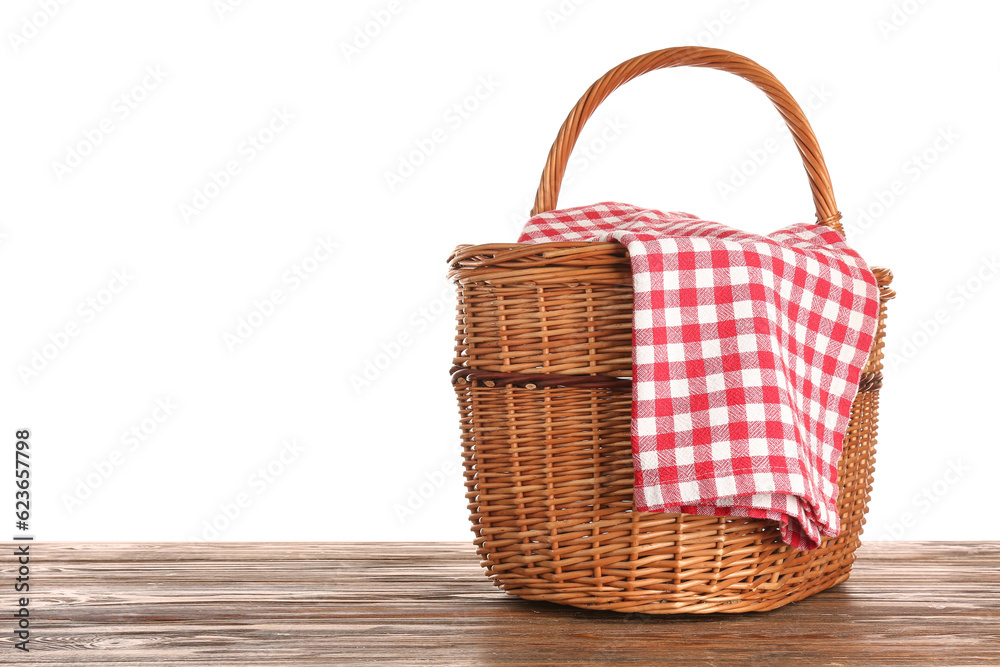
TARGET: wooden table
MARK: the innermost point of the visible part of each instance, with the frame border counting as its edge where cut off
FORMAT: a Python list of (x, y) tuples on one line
[(346, 603)]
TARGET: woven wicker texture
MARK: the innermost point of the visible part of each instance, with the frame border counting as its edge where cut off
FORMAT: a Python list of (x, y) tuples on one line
[(543, 378)]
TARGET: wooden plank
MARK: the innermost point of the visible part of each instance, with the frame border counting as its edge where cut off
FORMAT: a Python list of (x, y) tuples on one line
[(336, 603)]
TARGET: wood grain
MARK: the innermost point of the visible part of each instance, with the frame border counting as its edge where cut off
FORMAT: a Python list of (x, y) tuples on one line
[(411, 603)]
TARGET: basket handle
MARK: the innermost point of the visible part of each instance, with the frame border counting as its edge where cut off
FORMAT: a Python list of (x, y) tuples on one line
[(692, 56)]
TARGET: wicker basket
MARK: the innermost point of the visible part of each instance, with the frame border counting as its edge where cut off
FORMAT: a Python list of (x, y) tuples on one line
[(542, 374)]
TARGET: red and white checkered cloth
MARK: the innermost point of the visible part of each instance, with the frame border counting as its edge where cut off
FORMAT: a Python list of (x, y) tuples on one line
[(747, 352)]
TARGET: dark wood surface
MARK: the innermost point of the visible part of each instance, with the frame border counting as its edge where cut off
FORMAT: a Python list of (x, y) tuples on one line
[(347, 603)]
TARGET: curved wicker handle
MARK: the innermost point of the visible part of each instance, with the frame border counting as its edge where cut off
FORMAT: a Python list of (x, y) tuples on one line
[(692, 56)]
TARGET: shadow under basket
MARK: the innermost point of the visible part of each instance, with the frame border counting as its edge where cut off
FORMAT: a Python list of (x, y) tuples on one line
[(543, 377)]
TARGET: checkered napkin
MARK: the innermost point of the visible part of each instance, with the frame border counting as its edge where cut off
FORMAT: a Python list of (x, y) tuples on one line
[(747, 352)]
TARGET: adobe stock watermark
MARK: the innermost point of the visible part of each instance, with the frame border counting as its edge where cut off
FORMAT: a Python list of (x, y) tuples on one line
[(218, 180), (258, 482), (760, 155), (223, 8), (131, 440), (292, 279), (914, 168), (955, 300), (900, 13), (32, 24), (120, 109), (453, 118), (713, 27), (560, 12), (371, 28), (87, 311), (417, 494), (391, 349), (585, 154), (588, 151), (924, 500)]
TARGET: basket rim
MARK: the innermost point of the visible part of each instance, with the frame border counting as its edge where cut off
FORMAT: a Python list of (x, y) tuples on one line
[(469, 255), (519, 255)]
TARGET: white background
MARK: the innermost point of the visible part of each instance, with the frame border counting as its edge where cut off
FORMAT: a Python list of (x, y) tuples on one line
[(884, 80)]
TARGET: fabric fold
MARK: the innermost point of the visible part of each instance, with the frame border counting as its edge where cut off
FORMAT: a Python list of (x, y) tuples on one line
[(747, 354)]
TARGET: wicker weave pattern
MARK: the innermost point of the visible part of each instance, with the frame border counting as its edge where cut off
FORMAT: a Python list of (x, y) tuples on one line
[(549, 469), (542, 374)]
